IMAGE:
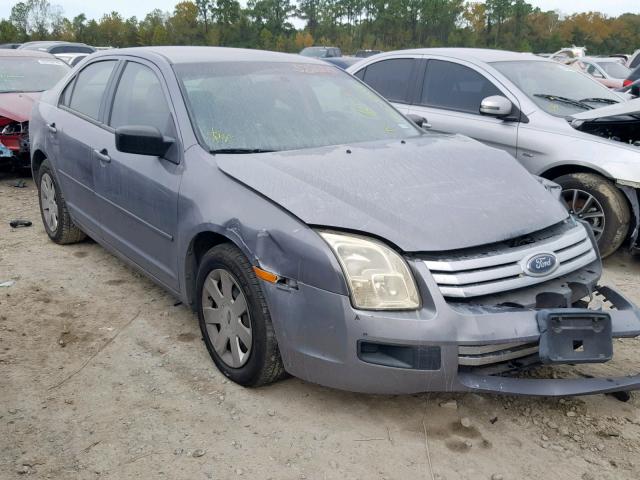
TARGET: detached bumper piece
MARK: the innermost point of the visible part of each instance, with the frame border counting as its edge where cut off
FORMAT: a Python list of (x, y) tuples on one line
[(567, 336), (575, 336)]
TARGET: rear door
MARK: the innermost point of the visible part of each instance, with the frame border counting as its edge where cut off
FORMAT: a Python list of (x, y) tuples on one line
[(73, 129), (450, 96), (138, 194), (393, 78)]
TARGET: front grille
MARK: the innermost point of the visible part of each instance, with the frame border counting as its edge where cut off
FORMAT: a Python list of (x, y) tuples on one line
[(468, 275)]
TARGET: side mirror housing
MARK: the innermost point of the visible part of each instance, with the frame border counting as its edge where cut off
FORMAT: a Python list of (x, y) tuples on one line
[(496, 106), (418, 120), (142, 140)]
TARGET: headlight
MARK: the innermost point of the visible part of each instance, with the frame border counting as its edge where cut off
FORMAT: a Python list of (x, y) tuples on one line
[(378, 278)]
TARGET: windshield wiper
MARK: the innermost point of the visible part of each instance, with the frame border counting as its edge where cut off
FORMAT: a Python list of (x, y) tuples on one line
[(610, 101), (568, 101), (240, 150)]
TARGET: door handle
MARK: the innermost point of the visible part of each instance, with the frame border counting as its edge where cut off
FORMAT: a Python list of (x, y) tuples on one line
[(103, 155), (52, 127)]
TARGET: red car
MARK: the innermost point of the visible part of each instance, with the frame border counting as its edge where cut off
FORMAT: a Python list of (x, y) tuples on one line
[(24, 75)]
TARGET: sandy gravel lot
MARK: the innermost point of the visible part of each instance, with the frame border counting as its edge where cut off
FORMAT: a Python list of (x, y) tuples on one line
[(102, 376)]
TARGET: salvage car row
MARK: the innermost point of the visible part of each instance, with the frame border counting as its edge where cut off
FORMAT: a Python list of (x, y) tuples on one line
[(318, 231)]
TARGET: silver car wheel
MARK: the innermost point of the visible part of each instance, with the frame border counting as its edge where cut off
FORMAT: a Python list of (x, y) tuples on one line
[(226, 315), (586, 207), (48, 202)]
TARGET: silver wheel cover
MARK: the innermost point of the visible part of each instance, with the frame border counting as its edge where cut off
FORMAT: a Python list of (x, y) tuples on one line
[(226, 316)]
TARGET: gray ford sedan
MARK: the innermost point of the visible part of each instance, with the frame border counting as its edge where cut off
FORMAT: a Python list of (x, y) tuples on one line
[(317, 231)]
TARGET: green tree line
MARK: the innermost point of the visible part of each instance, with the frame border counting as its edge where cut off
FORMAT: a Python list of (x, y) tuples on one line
[(349, 24)]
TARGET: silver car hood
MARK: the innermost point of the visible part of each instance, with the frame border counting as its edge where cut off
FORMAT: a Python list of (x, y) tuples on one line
[(632, 107), (432, 193)]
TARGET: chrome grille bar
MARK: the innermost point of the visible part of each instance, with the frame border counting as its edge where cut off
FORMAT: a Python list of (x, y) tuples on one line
[(501, 271)]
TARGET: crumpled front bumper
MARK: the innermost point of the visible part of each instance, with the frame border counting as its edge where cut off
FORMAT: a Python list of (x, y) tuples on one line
[(321, 338)]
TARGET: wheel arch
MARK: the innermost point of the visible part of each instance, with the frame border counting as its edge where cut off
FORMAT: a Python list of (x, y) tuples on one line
[(37, 157), (557, 170), (201, 243)]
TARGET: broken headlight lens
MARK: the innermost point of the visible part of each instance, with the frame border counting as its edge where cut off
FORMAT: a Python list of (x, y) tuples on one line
[(378, 278)]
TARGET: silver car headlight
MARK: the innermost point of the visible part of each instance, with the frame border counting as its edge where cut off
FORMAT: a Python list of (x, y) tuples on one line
[(378, 278)]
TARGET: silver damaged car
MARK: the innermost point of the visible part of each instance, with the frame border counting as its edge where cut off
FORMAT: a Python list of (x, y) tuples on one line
[(317, 231)]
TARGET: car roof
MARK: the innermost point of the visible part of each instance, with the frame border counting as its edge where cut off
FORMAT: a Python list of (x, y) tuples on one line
[(486, 55), (188, 54), (19, 53)]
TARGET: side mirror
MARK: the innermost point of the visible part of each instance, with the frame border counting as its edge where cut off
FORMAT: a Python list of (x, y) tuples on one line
[(496, 106), (142, 140), (418, 120)]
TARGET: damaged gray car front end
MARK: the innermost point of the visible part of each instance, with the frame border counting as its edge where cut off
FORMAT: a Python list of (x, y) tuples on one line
[(485, 310)]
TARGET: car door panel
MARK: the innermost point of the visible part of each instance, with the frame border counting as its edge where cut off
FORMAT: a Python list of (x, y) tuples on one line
[(491, 131), (138, 194), (79, 109), (450, 101)]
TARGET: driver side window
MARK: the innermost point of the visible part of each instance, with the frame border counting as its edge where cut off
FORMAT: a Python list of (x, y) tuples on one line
[(452, 86), (140, 100)]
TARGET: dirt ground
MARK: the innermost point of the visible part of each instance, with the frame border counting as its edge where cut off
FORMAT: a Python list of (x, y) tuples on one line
[(103, 376)]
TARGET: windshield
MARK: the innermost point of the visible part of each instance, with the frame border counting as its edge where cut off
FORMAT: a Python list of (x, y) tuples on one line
[(271, 106), (21, 74), (615, 69), (546, 82), (314, 52)]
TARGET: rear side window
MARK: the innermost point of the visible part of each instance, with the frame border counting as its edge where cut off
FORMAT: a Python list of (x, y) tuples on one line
[(390, 78), (455, 87), (140, 100), (89, 89), (636, 61)]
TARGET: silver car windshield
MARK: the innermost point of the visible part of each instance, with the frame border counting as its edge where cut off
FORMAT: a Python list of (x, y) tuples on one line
[(246, 107), (556, 88)]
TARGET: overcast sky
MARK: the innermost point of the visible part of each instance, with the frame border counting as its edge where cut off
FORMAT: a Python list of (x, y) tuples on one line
[(139, 8)]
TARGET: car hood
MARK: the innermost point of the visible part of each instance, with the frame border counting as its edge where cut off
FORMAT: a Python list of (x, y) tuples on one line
[(17, 106), (632, 107), (433, 193)]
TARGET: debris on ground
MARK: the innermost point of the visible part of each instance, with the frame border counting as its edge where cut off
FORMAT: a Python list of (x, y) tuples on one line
[(20, 223)]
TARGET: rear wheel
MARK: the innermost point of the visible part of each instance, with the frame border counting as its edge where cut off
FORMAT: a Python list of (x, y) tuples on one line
[(594, 199), (53, 209), (234, 318)]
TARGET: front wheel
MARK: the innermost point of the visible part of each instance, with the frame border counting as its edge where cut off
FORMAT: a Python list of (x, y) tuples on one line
[(234, 318), (594, 199)]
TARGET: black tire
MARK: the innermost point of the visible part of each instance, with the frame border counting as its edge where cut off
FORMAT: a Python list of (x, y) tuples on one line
[(66, 231), (264, 364), (617, 216)]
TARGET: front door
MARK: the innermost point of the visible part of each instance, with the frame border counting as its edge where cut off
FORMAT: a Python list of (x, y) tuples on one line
[(450, 100), (139, 193)]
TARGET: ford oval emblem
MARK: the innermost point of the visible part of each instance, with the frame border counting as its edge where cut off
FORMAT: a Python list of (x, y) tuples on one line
[(540, 264)]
